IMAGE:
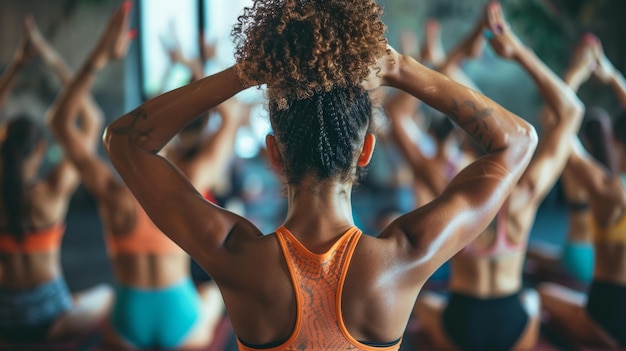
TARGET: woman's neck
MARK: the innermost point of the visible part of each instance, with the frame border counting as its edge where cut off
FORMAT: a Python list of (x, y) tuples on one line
[(319, 210)]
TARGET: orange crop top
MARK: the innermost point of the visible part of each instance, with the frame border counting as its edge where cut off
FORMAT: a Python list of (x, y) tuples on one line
[(614, 234), (43, 240), (145, 238), (502, 244), (318, 281)]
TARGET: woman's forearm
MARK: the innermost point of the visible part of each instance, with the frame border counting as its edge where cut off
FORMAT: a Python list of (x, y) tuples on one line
[(90, 116), (7, 80), (574, 77), (54, 61), (21, 57), (465, 49), (489, 124), (618, 83), (557, 94), (72, 100), (156, 121)]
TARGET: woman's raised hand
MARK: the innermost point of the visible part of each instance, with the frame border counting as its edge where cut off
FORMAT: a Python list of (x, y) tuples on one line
[(384, 69), (502, 39), (114, 41), (584, 56), (38, 42), (25, 51), (605, 69)]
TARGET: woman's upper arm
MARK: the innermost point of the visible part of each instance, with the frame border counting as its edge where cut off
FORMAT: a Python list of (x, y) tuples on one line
[(591, 174), (64, 178), (171, 201), (432, 234), (167, 196), (550, 158)]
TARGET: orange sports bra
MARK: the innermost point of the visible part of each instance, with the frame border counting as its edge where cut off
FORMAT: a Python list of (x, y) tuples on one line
[(614, 234), (145, 238), (502, 244), (318, 281), (43, 240)]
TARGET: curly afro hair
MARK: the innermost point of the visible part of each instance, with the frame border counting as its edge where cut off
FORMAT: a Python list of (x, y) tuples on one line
[(303, 47)]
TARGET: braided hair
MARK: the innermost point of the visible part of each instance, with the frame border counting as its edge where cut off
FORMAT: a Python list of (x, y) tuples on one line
[(322, 135), (313, 56)]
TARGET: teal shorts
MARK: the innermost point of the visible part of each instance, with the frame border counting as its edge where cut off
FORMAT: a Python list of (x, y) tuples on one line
[(160, 318), (578, 260)]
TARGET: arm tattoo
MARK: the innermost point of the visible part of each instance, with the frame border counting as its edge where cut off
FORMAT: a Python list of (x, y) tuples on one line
[(472, 119), (132, 131)]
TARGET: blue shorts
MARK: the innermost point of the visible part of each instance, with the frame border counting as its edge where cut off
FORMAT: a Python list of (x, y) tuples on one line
[(160, 318), (578, 260), (26, 315)]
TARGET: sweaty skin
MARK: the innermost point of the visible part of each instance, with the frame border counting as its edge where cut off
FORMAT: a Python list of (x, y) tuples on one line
[(607, 202), (483, 271), (47, 202), (387, 272), (152, 266)]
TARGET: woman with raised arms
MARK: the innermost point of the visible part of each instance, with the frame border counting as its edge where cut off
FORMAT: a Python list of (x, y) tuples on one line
[(316, 282)]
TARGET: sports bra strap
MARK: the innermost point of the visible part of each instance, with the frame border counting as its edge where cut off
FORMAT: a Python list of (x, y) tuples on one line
[(42, 240)]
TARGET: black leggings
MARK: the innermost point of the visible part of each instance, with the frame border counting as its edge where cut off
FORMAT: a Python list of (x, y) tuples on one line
[(492, 324), (606, 304)]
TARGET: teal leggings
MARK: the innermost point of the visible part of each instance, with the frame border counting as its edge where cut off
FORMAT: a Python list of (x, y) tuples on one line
[(578, 260), (160, 318)]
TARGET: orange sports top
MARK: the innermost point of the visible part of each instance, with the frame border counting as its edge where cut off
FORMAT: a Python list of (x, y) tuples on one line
[(318, 281), (145, 238), (615, 233), (42, 240)]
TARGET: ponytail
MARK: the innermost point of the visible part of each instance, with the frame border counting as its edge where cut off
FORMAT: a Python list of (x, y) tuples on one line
[(596, 131), (22, 137)]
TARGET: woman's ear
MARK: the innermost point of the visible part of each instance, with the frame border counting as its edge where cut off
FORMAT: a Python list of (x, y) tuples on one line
[(276, 160), (367, 151)]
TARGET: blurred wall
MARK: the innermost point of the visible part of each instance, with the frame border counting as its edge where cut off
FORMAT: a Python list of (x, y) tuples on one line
[(550, 27), (73, 25)]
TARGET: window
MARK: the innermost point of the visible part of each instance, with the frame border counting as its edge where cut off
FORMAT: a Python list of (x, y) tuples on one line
[(165, 25)]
